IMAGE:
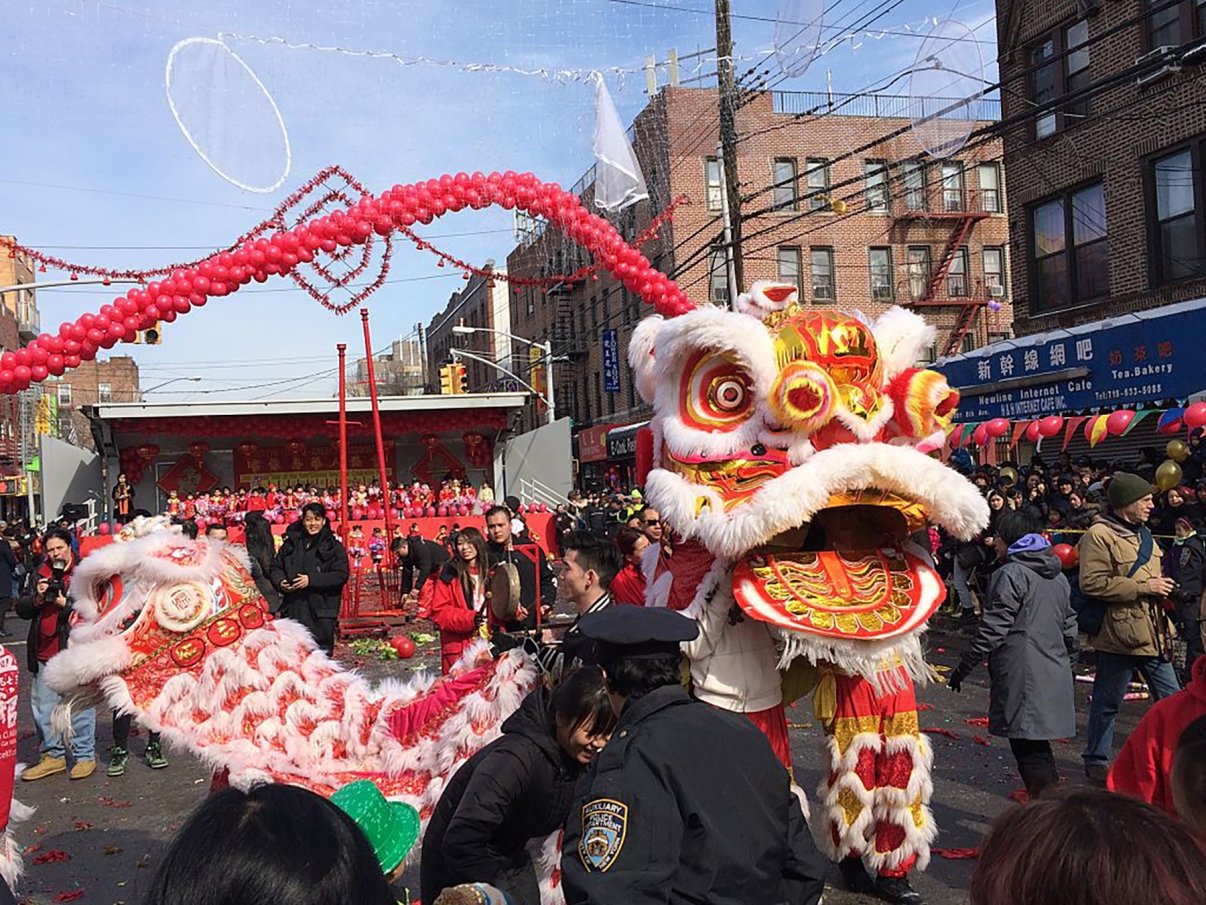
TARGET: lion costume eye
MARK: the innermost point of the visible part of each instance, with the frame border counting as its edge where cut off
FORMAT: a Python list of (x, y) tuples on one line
[(107, 594), (717, 394)]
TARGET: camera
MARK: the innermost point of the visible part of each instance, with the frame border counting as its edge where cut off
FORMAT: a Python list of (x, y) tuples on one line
[(55, 586)]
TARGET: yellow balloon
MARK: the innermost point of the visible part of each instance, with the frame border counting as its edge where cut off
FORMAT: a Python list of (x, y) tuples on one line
[(1168, 475), (1009, 475), (1178, 450)]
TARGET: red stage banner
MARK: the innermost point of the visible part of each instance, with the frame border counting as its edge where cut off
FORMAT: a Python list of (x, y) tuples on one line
[(311, 465)]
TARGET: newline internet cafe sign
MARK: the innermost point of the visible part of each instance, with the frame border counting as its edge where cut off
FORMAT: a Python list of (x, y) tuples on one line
[(1136, 362)]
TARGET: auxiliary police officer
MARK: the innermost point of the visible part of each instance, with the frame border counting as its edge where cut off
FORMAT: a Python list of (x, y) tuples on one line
[(686, 803)]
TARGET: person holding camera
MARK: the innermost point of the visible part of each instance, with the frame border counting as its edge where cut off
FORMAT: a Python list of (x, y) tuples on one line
[(49, 611), (310, 569)]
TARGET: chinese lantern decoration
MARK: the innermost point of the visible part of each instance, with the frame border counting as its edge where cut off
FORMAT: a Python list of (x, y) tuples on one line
[(477, 449), (247, 448), (197, 449), (295, 446), (147, 452)]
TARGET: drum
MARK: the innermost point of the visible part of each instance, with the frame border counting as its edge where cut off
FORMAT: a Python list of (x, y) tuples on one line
[(504, 591)]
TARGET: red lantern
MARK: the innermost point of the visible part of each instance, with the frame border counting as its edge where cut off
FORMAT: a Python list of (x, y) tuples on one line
[(197, 449), (247, 448), (148, 452), (295, 446), (1119, 421)]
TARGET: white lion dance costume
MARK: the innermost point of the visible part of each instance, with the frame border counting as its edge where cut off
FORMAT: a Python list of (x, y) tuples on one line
[(791, 460)]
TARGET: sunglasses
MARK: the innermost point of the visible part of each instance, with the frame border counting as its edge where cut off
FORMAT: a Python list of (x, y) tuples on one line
[(653, 521)]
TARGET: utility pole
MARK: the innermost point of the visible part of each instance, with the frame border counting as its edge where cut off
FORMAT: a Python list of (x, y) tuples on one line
[(728, 140)]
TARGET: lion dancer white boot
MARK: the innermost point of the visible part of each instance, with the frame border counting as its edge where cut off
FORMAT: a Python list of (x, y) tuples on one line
[(875, 800)]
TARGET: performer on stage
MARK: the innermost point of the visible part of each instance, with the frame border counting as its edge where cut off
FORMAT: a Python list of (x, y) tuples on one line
[(123, 500)]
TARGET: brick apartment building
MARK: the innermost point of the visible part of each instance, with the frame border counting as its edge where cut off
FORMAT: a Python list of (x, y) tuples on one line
[(1107, 162), (852, 212), (482, 303), (94, 382), (19, 323)]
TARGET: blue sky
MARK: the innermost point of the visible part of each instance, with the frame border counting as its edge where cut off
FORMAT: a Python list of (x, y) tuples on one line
[(94, 168)]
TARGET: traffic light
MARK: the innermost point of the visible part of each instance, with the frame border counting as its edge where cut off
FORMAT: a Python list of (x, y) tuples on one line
[(152, 336), (458, 377), (446, 380)]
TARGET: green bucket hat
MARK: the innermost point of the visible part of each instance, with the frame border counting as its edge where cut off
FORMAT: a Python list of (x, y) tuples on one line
[(392, 827)]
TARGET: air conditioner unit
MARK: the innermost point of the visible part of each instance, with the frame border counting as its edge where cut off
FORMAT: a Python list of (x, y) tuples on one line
[(996, 292), (1165, 53), (1088, 7)]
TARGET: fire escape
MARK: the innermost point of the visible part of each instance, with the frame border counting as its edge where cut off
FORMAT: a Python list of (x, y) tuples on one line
[(960, 210)]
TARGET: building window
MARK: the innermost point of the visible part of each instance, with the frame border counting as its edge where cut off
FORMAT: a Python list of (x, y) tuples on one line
[(952, 186), (990, 188), (1069, 249), (104, 393), (785, 184), (1179, 232), (1060, 66), (64, 394), (918, 266), (1176, 24), (879, 262), (531, 301), (994, 270), (956, 275), (818, 184), (914, 185), (876, 173), (788, 262), (823, 287), (714, 187), (718, 282)]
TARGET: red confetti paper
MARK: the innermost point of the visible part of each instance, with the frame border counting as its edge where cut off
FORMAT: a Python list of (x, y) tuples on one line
[(83, 825), (113, 802), (922, 708), (956, 854), (69, 896), (53, 856), (981, 721), (980, 740), (935, 731), (35, 847)]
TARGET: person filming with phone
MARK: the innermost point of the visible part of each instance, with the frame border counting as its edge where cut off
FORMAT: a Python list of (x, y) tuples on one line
[(311, 569)]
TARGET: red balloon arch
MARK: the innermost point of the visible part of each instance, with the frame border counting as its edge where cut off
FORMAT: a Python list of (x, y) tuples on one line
[(258, 257)]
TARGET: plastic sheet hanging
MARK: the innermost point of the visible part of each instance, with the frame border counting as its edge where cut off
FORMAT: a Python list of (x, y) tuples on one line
[(618, 178)]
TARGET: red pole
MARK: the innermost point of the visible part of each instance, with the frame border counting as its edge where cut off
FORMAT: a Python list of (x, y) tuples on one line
[(385, 489)]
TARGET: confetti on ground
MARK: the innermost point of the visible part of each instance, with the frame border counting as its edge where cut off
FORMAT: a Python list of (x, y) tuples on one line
[(922, 708), (113, 849), (35, 847), (54, 856), (70, 896), (956, 854), (933, 730), (981, 721), (39, 830), (980, 740), (799, 725), (1065, 741), (83, 825), (113, 802)]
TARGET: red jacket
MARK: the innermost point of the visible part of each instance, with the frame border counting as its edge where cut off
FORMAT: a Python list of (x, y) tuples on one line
[(628, 586), (453, 614), (1143, 765)]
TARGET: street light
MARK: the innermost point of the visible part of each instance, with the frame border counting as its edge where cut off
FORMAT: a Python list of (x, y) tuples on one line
[(545, 347), (160, 386)]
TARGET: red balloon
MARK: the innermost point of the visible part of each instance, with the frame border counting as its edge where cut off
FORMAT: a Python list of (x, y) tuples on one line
[(404, 646), (1051, 425), (980, 435), (103, 528), (55, 365), (22, 374), (997, 427), (1032, 432), (39, 372), (72, 360), (1119, 421), (1195, 415), (1066, 554)]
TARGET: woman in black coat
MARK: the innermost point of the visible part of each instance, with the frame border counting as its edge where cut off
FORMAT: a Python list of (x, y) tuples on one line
[(517, 788), (310, 569)]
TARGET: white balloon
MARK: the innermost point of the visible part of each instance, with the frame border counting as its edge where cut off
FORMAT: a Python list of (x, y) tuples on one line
[(945, 87), (227, 115), (798, 34)]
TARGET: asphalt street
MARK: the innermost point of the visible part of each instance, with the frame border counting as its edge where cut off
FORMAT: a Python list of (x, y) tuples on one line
[(98, 840)]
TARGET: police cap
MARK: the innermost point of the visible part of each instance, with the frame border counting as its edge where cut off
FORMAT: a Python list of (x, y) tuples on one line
[(637, 631)]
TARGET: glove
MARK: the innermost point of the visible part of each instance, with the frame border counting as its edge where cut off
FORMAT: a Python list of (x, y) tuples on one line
[(955, 681)]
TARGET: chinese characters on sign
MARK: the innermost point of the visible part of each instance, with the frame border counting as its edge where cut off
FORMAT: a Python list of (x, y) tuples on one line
[(1132, 363), (611, 362)]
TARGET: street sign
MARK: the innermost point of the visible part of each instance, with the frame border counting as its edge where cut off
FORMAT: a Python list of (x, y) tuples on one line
[(611, 361)]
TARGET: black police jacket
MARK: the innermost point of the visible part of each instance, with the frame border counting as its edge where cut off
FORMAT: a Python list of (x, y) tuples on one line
[(517, 788), (687, 803)]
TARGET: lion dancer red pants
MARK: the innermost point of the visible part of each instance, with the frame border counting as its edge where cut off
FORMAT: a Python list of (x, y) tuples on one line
[(875, 801)]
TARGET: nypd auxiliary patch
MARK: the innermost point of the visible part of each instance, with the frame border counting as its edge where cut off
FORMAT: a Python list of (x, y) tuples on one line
[(604, 823)]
